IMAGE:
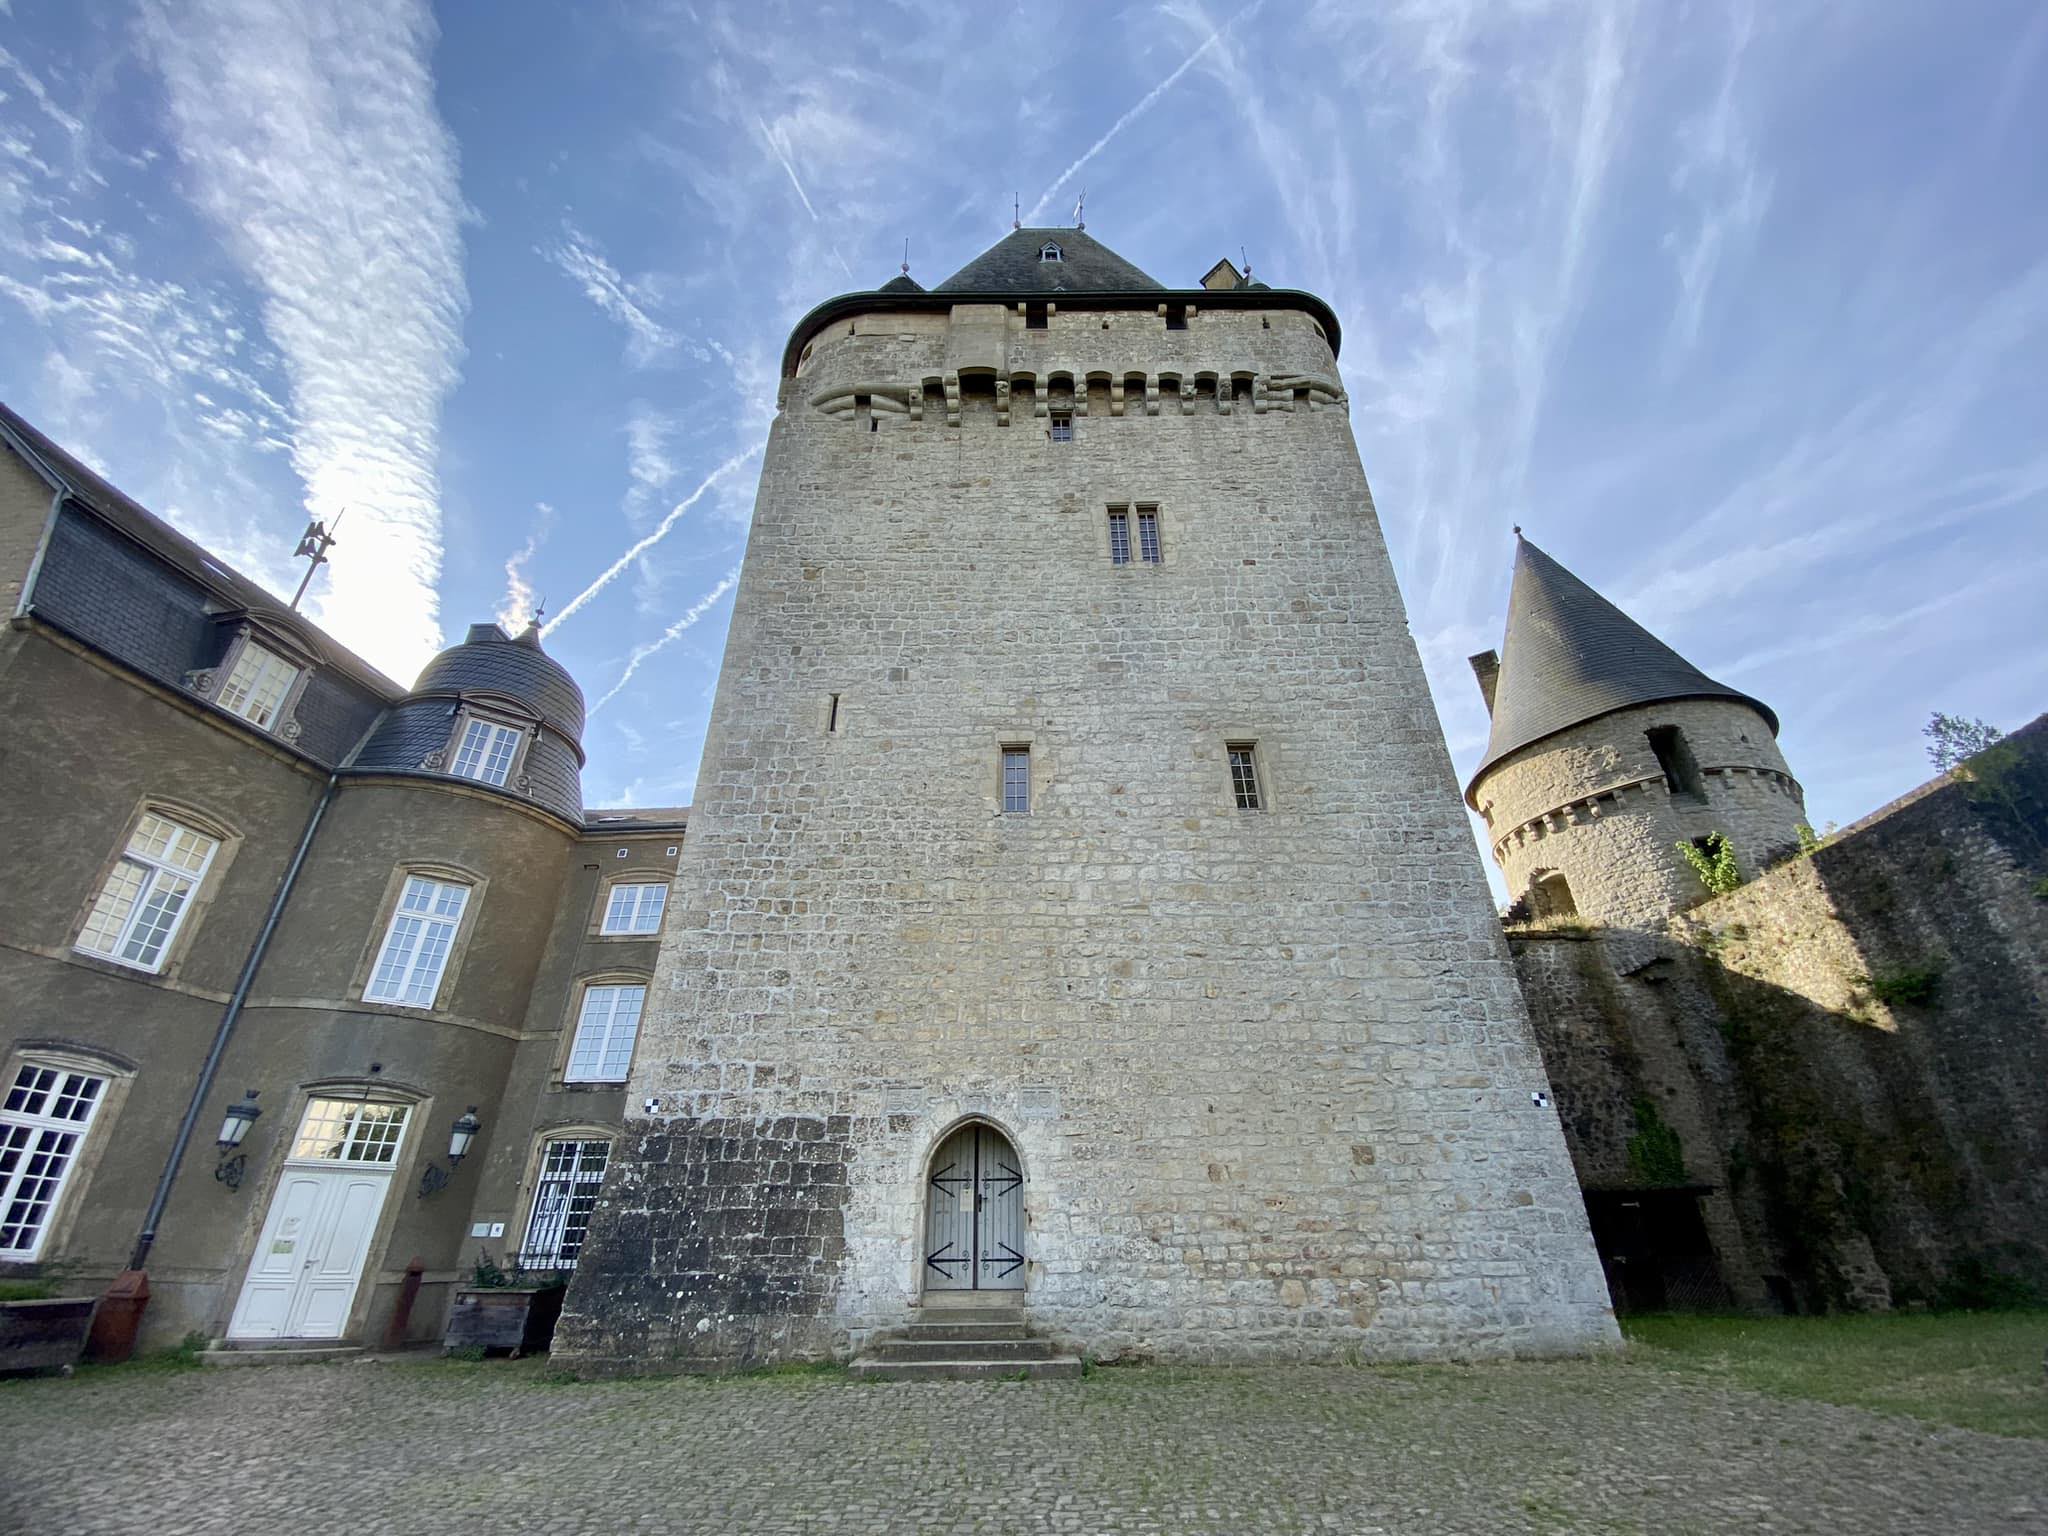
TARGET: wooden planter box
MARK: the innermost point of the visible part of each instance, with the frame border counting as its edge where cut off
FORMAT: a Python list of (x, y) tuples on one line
[(518, 1318), (45, 1335)]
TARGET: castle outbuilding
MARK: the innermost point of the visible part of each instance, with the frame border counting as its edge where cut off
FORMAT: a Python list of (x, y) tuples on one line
[(1608, 751)]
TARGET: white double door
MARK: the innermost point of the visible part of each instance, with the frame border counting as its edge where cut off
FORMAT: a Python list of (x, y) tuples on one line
[(308, 1262)]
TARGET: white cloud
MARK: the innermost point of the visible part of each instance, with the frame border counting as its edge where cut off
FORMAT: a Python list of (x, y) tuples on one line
[(669, 636), (520, 601), (309, 136), (627, 302)]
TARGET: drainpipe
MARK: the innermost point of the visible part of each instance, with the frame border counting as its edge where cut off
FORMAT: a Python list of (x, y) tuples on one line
[(202, 1089)]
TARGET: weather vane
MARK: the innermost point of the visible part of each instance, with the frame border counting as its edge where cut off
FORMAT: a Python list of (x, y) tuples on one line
[(313, 546)]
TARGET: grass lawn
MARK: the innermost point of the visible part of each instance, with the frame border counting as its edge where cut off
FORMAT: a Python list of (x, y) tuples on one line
[(1978, 1370)]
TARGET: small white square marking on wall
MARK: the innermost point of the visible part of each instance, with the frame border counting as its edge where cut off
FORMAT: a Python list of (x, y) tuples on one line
[(480, 1229)]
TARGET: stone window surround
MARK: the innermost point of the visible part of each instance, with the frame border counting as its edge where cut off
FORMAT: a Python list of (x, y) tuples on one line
[(1042, 775), (387, 908), (536, 1155), (119, 1073), (491, 709), (208, 681), (572, 1022), (227, 841), (1265, 755), (1169, 540)]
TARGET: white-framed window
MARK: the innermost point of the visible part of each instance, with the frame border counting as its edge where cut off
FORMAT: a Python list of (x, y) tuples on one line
[(350, 1131), (571, 1172), (43, 1122), (602, 1051), (635, 907), (1244, 775), (147, 893), (486, 752), (1016, 781), (415, 952), (1050, 251), (1062, 427), (257, 685)]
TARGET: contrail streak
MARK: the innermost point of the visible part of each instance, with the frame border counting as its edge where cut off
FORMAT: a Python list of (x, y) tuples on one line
[(612, 571), (786, 166), (697, 610), (1131, 116)]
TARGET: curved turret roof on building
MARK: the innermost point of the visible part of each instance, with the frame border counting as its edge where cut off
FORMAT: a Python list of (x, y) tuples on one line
[(1571, 656), (489, 660), (1015, 264)]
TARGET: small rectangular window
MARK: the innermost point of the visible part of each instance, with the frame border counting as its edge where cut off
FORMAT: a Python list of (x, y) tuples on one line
[(1176, 317), (42, 1126), (571, 1173), (1034, 317), (602, 1051), (148, 893), (416, 946), (1016, 781), (635, 908), (1119, 536), (1244, 775), (256, 686), (486, 752), (1062, 427), (1148, 535)]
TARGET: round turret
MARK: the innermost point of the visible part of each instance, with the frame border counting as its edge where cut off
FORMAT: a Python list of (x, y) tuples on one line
[(496, 710), (1608, 751)]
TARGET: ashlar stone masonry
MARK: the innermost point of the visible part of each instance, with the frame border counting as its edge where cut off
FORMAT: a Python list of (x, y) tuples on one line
[(1268, 1071)]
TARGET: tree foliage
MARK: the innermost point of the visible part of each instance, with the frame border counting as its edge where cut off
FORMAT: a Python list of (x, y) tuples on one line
[(1953, 741)]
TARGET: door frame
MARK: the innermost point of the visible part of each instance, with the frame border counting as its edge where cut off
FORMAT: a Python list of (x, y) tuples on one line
[(951, 1128), (404, 1170)]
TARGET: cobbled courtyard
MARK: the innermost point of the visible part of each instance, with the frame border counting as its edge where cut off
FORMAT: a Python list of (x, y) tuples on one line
[(437, 1448)]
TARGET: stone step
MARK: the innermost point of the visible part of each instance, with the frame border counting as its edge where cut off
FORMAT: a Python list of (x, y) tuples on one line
[(993, 1328), (966, 1370), (973, 1301), (221, 1352), (960, 1349)]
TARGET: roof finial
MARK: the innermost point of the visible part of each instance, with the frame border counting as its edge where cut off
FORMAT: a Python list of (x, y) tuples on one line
[(1247, 263), (1518, 530), (1016, 204), (1079, 222), (906, 255), (313, 546)]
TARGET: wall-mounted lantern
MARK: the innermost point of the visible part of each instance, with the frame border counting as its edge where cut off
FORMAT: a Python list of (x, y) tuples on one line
[(462, 1134), (234, 1125)]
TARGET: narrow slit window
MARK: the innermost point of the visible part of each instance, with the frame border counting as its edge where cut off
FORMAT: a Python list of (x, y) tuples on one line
[(1244, 776), (832, 717), (1016, 781), (1119, 536), (1062, 427), (1148, 535)]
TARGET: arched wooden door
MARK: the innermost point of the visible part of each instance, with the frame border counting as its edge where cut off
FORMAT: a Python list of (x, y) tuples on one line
[(974, 1213)]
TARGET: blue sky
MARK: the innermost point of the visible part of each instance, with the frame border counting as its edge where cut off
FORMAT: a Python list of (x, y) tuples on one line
[(1739, 310)]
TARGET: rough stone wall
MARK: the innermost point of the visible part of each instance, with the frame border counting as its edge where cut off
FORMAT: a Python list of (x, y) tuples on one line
[(1592, 803), (1268, 1071), (1875, 1152)]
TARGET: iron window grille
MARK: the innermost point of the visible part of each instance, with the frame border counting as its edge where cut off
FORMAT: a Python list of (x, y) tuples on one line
[(1016, 781), (1244, 775), (606, 1028), (635, 907), (257, 686), (1148, 535), (45, 1118), (416, 945), (486, 752), (147, 894), (571, 1173), (1119, 536)]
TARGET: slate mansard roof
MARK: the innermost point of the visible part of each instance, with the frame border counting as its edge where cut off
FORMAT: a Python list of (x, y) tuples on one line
[(1570, 656), (1015, 264)]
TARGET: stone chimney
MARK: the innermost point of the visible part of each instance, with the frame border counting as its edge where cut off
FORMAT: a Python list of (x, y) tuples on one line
[(1486, 667)]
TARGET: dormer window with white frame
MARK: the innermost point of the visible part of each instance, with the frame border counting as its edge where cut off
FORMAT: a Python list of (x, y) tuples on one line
[(1050, 251), (257, 686), (486, 752)]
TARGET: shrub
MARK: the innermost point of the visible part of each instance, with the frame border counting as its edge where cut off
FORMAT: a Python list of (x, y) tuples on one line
[(1917, 986), (1714, 864)]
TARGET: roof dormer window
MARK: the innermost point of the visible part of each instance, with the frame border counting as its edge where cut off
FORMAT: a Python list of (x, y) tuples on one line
[(1050, 251)]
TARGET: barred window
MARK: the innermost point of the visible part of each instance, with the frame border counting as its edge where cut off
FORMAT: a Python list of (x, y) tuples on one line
[(416, 946), (486, 752), (42, 1126), (148, 893), (571, 1173), (1016, 781), (1148, 535), (351, 1131), (602, 1051), (1119, 536), (257, 685), (635, 907), (1244, 775)]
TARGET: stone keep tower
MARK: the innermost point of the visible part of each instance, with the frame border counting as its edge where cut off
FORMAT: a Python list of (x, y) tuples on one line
[(1608, 750), (1076, 899)]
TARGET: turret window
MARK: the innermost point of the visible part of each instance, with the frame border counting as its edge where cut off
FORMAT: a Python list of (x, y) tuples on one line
[(486, 752), (1674, 757)]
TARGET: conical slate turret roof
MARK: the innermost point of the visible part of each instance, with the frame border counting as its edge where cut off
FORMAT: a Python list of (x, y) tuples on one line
[(1015, 264), (1571, 656)]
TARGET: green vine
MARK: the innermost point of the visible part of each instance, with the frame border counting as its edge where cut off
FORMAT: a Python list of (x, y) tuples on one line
[(1714, 864), (1656, 1156)]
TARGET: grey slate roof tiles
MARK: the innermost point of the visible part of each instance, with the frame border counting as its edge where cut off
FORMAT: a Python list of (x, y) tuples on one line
[(1013, 265), (1571, 656)]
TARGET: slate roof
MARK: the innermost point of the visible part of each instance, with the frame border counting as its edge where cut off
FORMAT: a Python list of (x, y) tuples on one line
[(1011, 265), (902, 282), (1571, 656)]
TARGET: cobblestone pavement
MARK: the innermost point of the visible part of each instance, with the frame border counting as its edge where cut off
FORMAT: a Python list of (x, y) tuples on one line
[(441, 1448)]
